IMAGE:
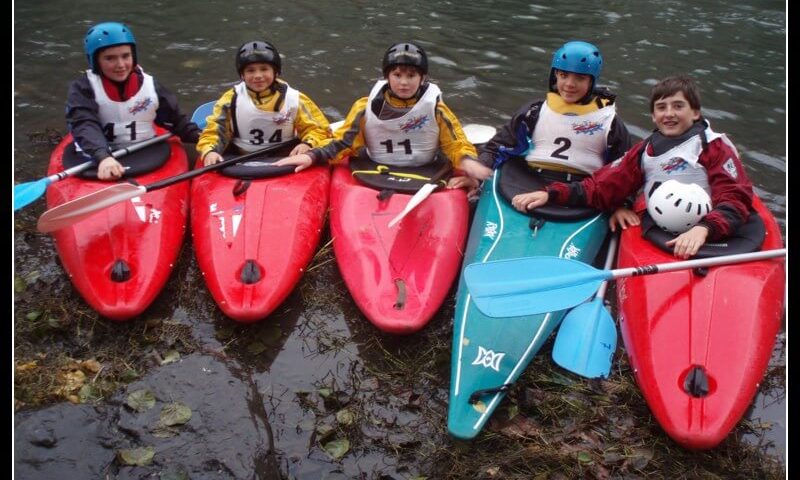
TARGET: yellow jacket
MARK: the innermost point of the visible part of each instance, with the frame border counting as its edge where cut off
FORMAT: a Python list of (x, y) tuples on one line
[(349, 138), (310, 124)]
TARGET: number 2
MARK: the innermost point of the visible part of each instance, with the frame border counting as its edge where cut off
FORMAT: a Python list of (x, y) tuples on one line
[(566, 144)]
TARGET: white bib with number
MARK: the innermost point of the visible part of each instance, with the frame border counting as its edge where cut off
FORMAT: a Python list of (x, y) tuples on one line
[(259, 129), (407, 141), (575, 141), (130, 121)]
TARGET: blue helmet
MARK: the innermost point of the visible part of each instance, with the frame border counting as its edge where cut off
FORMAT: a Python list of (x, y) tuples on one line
[(577, 57), (104, 35)]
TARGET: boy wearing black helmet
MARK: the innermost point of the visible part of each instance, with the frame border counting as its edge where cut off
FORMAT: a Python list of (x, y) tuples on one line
[(570, 134), (261, 110), (403, 121), (115, 104)]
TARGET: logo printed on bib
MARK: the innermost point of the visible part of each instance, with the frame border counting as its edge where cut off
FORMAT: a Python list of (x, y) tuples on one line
[(674, 164), (415, 123), (587, 127), (140, 106)]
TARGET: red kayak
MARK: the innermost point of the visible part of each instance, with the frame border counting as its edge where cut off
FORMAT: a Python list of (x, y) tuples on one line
[(700, 342), (254, 239), (400, 276), (120, 258)]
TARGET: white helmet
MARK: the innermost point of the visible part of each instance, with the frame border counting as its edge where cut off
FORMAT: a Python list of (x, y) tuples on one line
[(676, 207)]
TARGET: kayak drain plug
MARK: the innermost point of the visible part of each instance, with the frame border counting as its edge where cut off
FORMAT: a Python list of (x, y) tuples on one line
[(250, 273), (400, 303), (120, 272), (696, 383)]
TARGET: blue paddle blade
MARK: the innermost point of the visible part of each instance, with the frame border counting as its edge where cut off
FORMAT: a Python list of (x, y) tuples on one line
[(27, 193), (586, 340), (203, 111), (532, 285)]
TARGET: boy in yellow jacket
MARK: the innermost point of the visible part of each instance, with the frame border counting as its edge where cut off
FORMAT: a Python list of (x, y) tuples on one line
[(403, 122), (261, 110)]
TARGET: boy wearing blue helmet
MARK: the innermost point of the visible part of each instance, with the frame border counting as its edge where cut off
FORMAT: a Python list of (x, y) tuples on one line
[(115, 103), (261, 110), (570, 134)]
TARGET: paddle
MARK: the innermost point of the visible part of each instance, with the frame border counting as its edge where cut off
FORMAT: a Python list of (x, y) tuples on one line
[(201, 112), (26, 193), (526, 286), (476, 134), (587, 337), (423, 193), (73, 211)]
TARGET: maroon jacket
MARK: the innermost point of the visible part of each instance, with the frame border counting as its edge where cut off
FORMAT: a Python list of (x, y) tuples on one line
[(609, 187)]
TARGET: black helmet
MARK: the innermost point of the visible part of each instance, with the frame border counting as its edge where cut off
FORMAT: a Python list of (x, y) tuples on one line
[(405, 54), (257, 52)]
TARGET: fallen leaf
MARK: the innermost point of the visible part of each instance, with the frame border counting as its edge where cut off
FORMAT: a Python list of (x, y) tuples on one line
[(73, 380), (519, 426), (256, 347), (640, 458), (22, 367), (136, 456), (324, 431), (337, 448), (171, 356), (174, 475), (584, 457), (345, 417), (88, 392), (91, 365), (175, 414), (141, 400)]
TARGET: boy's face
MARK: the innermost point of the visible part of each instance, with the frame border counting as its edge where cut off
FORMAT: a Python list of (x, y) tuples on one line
[(404, 81), (673, 115), (116, 63), (572, 87), (258, 76)]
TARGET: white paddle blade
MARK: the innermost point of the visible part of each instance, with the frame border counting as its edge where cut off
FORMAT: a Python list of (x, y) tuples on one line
[(76, 210), (418, 197), (477, 133)]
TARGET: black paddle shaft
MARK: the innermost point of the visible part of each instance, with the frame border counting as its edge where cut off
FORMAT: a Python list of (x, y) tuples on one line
[(208, 168)]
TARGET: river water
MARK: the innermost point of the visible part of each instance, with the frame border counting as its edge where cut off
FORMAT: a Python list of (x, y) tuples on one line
[(489, 58)]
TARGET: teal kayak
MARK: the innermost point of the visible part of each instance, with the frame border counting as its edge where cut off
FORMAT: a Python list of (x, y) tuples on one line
[(489, 354)]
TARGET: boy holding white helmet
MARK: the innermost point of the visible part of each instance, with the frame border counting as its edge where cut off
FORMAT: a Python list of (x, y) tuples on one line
[(115, 104), (685, 149)]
